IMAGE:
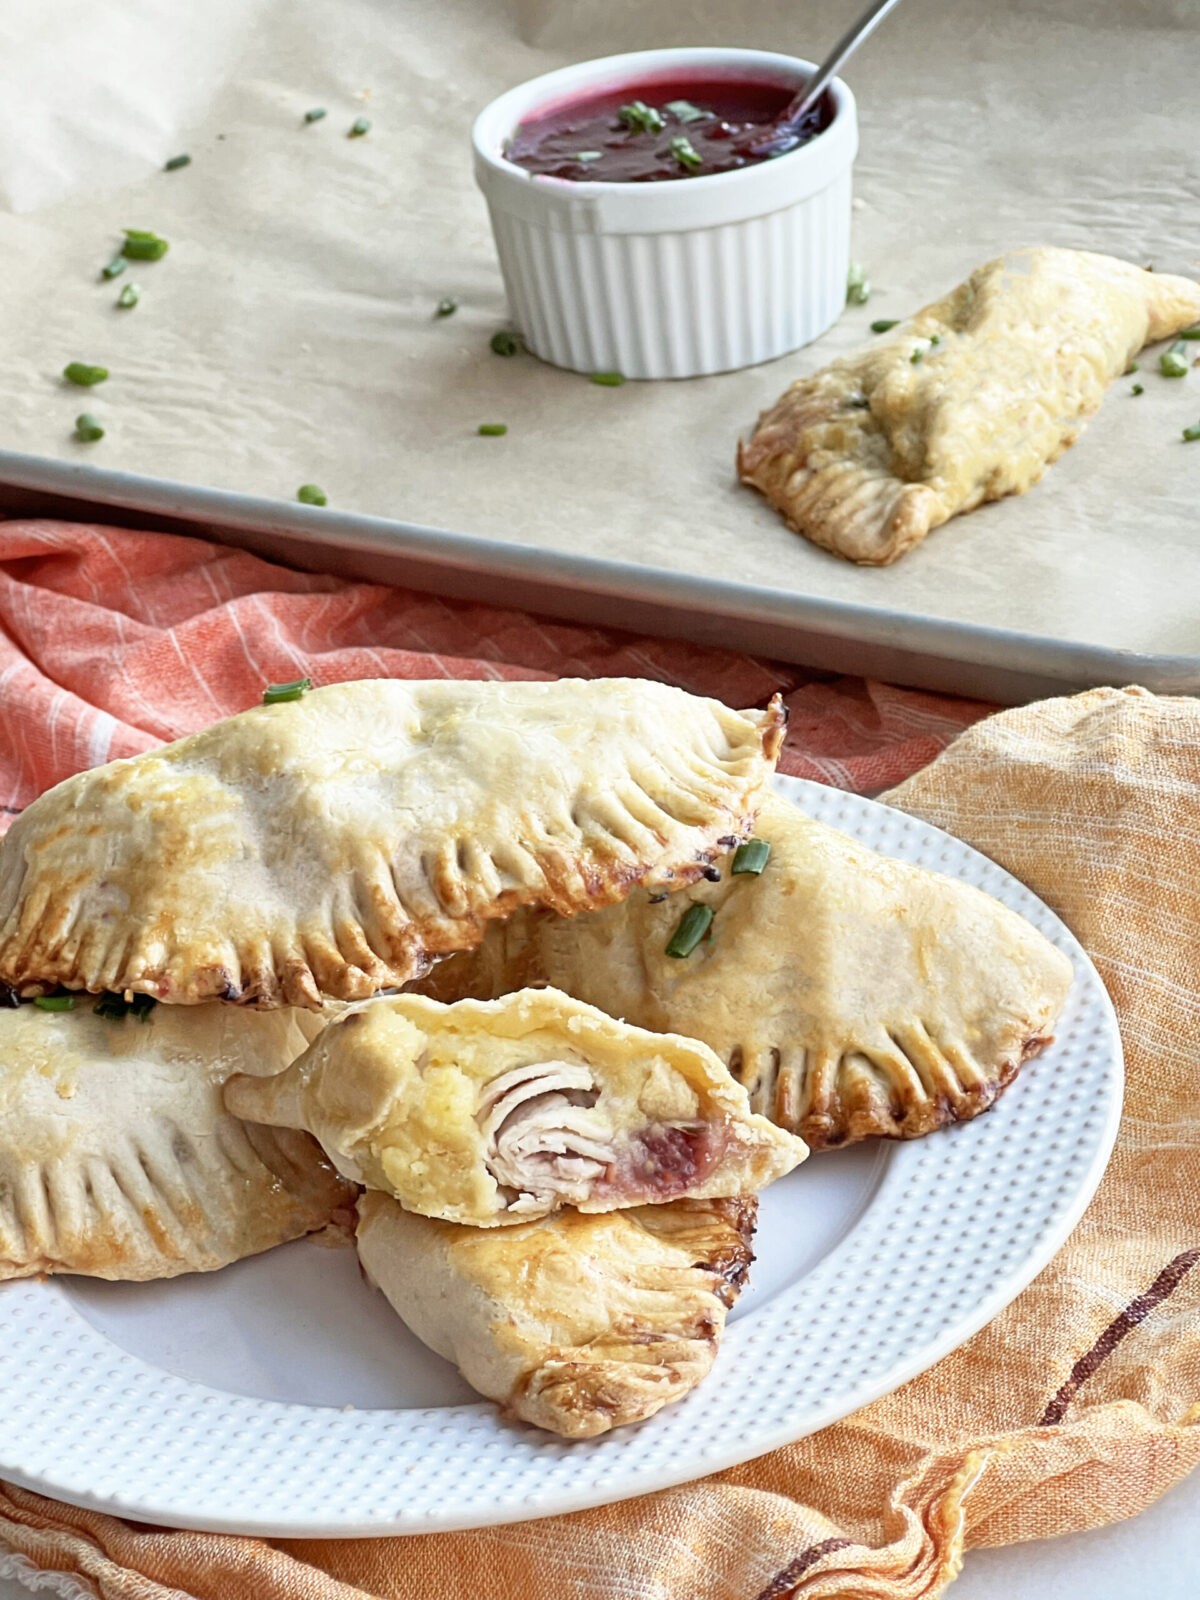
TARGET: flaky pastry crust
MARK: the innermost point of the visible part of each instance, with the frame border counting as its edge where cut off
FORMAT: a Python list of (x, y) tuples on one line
[(574, 1323), (853, 995), (332, 846), (969, 400)]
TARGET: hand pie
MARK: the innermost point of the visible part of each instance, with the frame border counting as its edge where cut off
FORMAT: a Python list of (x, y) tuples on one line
[(331, 845), (968, 401), (491, 1112), (574, 1323), (853, 995), (117, 1158)]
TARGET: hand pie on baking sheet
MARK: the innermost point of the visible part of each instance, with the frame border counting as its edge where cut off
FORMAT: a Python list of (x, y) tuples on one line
[(491, 1112), (853, 995), (968, 401), (574, 1323), (117, 1158), (331, 845)]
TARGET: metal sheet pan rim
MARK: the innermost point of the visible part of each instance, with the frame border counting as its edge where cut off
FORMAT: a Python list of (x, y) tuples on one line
[(348, 530)]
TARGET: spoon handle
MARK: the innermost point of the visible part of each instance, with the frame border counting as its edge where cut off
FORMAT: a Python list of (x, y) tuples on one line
[(846, 46)]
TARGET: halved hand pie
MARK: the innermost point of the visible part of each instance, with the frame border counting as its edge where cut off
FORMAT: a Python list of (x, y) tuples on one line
[(333, 845), (491, 1112), (968, 401), (574, 1323), (117, 1158), (853, 995)]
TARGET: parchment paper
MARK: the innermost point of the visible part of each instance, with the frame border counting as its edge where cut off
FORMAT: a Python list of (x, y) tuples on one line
[(288, 337)]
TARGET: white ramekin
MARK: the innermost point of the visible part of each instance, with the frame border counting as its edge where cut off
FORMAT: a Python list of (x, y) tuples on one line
[(676, 279)]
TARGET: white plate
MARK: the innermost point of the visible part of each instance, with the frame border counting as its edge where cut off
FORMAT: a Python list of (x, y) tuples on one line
[(281, 1396)]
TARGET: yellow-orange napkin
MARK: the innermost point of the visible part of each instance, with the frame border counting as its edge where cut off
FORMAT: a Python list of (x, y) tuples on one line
[(1075, 1407)]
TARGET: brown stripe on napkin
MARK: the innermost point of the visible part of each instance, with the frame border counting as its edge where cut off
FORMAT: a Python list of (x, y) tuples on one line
[(1168, 1280), (796, 1568)]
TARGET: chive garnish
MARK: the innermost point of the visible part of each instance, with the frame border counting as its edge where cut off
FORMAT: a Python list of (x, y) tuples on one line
[(885, 324), (84, 374), (1190, 333), (174, 164), (312, 494), (54, 1002), (858, 285), (112, 1007), (315, 113), (1137, 389), (141, 245), (276, 694), (114, 268), (129, 297), (935, 338), (88, 428), (686, 153), (751, 856), (693, 925), (1131, 369), (1173, 363), (493, 430), (685, 111), (358, 127), (142, 1005), (917, 356), (641, 118), (1191, 434), (446, 307), (607, 380), (505, 343)]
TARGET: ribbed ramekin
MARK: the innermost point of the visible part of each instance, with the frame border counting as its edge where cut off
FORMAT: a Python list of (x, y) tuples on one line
[(674, 279)]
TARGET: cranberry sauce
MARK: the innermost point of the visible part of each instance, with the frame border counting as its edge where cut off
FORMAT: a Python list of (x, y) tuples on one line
[(667, 128)]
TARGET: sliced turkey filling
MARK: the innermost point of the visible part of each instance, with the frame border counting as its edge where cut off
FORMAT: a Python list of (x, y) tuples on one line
[(550, 1141)]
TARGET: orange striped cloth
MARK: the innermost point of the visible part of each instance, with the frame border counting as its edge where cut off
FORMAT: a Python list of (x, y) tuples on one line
[(1078, 1405)]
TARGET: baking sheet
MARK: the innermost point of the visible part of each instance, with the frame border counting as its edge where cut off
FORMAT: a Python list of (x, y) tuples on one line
[(289, 337)]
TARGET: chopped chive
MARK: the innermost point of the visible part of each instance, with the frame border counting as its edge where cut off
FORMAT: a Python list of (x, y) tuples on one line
[(84, 374), (1190, 333), (685, 111), (505, 343), (607, 380), (493, 430), (686, 153), (1173, 363), (693, 925), (885, 324), (112, 1007), (1137, 389), (315, 113), (129, 297), (917, 356), (858, 285), (751, 856), (358, 127), (88, 428), (55, 1002), (275, 694), (142, 246), (1192, 434), (142, 1005), (114, 268), (1131, 369), (641, 118), (311, 494), (935, 338), (174, 164), (446, 307)]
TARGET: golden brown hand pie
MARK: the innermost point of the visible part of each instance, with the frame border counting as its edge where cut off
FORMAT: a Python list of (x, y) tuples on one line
[(968, 401), (853, 995), (491, 1112), (330, 845), (117, 1158), (574, 1323)]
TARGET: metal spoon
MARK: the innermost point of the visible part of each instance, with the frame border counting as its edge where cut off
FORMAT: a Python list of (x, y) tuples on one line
[(792, 118)]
